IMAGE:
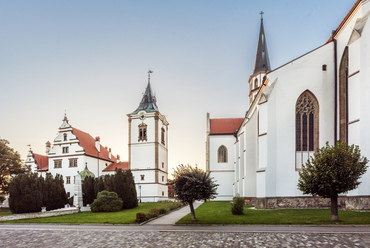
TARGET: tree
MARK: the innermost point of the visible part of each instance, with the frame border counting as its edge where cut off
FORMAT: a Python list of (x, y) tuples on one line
[(192, 184), (10, 163), (130, 198), (88, 190), (333, 170)]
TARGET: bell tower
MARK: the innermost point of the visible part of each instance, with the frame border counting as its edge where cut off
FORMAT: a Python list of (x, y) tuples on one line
[(261, 66), (148, 148)]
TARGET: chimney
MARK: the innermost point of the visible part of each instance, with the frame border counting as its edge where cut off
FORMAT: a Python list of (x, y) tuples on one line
[(110, 153), (48, 146), (118, 159), (97, 143)]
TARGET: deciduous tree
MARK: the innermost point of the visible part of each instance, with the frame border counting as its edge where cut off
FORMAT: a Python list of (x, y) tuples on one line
[(10, 163), (331, 171), (192, 184)]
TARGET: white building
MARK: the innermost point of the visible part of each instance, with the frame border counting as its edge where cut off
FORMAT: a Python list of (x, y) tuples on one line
[(321, 96), (74, 151)]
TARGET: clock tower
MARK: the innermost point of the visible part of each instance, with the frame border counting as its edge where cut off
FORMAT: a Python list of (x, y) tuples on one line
[(148, 148)]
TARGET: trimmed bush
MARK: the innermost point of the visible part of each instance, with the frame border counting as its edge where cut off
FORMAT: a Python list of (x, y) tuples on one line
[(141, 217), (237, 206), (107, 202), (163, 210), (153, 213)]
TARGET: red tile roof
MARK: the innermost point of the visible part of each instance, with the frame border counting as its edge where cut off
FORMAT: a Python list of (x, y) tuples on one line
[(88, 143), (42, 161), (345, 19), (120, 165), (225, 126)]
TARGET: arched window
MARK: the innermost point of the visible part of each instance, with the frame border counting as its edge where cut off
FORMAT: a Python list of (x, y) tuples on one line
[(65, 137), (142, 132), (307, 127), (162, 136), (222, 154), (255, 83)]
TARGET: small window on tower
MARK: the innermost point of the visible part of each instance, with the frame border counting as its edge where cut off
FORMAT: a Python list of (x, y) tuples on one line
[(142, 177), (255, 83), (142, 132), (65, 137), (162, 164), (324, 67), (162, 136), (162, 178)]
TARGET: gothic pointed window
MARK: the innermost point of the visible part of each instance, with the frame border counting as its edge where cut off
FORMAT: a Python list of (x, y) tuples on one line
[(222, 154), (307, 127), (142, 132)]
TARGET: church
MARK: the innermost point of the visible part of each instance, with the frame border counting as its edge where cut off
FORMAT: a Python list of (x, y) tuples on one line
[(76, 152), (321, 96)]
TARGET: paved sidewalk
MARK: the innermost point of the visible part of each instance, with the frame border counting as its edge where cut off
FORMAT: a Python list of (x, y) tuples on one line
[(172, 218)]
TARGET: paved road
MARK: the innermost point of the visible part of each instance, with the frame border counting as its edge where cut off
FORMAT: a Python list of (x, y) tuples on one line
[(32, 235)]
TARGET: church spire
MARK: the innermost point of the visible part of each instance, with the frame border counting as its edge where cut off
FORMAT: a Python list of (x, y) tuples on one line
[(262, 57), (148, 102)]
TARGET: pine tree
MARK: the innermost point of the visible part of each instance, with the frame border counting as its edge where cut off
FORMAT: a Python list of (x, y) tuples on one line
[(88, 191), (130, 198)]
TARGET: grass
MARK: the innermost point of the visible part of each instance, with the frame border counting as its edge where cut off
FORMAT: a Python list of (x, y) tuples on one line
[(5, 212), (127, 216), (219, 213)]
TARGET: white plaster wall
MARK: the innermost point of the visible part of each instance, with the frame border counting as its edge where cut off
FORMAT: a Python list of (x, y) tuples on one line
[(142, 156), (223, 173), (292, 80), (261, 182)]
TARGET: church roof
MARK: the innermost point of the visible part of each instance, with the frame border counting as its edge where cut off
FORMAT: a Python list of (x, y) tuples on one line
[(42, 162), (120, 165), (262, 62), (88, 143), (148, 102), (344, 21), (86, 173), (225, 126)]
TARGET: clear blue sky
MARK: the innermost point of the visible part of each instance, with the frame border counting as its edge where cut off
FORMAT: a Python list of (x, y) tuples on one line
[(91, 58)]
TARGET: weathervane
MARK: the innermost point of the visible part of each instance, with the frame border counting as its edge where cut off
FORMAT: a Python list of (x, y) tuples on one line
[(262, 15), (149, 72)]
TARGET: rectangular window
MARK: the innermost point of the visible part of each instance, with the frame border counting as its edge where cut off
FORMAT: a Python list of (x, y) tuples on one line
[(162, 136), (142, 177), (57, 163), (73, 162), (142, 132), (65, 149), (162, 164), (68, 180)]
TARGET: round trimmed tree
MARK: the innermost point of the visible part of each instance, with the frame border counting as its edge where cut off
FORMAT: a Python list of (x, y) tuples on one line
[(333, 170)]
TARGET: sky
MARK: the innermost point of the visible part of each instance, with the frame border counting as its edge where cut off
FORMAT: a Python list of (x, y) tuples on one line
[(89, 59)]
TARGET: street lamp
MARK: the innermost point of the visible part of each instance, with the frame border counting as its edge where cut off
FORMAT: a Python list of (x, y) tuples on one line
[(140, 192)]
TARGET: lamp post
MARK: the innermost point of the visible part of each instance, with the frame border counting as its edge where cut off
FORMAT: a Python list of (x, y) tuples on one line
[(140, 192)]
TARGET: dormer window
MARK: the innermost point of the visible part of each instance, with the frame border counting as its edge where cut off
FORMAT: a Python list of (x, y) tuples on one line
[(142, 132), (65, 137)]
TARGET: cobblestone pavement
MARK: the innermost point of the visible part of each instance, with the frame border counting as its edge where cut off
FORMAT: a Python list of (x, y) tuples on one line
[(33, 237)]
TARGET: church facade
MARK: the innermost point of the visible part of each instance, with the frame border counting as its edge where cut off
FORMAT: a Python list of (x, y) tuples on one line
[(320, 97), (74, 152)]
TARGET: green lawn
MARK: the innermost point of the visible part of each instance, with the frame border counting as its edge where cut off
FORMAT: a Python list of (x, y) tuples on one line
[(122, 217), (219, 213)]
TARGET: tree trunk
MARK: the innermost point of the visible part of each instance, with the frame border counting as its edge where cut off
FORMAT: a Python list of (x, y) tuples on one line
[(192, 210), (334, 207)]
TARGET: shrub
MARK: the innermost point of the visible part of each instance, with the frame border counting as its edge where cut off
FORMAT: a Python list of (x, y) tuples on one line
[(141, 217), (163, 210), (153, 213), (174, 205), (107, 202), (237, 206)]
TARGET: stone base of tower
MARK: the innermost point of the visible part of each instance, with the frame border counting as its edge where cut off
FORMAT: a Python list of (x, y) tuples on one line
[(151, 192)]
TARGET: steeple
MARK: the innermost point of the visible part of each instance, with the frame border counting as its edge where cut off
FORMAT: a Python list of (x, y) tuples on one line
[(262, 57), (148, 102)]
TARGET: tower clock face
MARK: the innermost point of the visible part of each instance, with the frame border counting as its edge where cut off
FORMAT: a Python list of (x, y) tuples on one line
[(142, 115)]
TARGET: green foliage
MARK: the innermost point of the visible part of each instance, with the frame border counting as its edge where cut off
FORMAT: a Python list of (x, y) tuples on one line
[(30, 192), (333, 170), (106, 202), (25, 192), (88, 190), (10, 164), (141, 217), (237, 206), (191, 184), (98, 185), (163, 210), (128, 195), (155, 212)]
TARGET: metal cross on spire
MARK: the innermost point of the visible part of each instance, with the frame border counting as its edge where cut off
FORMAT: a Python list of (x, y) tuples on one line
[(149, 72), (262, 15)]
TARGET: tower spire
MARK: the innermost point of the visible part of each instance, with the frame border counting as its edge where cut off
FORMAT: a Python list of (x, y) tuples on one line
[(262, 58)]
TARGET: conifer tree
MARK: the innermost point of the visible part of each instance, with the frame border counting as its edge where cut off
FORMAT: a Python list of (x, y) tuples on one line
[(130, 197), (88, 190)]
